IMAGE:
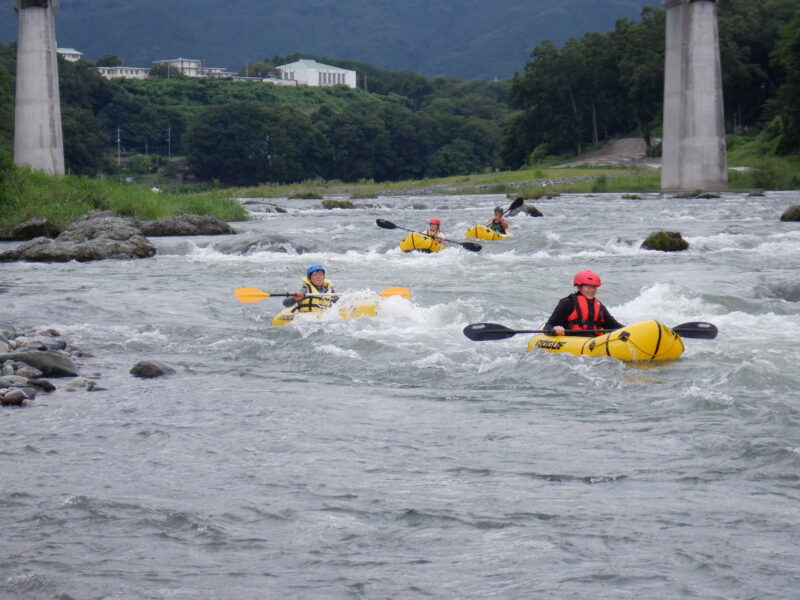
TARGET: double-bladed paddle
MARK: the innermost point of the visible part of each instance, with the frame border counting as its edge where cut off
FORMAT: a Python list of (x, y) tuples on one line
[(250, 294), (481, 332), (384, 224)]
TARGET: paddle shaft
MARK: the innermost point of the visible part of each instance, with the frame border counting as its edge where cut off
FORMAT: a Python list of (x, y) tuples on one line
[(256, 295), (433, 237), (492, 331)]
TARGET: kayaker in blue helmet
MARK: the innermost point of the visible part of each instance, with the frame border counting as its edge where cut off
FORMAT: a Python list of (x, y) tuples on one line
[(314, 283), (581, 310), (498, 224)]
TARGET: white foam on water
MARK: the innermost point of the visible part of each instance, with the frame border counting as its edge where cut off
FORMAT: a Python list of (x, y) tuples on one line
[(667, 303), (334, 350)]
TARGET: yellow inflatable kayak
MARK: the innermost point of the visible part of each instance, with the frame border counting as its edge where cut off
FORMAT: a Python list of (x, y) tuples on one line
[(419, 242), (647, 340), (482, 232), (343, 309)]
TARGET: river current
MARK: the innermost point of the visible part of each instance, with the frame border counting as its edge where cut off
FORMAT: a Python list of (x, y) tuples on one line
[(391, 457)]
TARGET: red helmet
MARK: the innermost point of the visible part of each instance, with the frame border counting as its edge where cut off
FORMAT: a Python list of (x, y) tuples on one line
[(435, 221), (586, 278)]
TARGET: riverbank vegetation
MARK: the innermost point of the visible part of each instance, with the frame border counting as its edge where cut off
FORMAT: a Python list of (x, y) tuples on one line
[(408, 132), (62, 199)]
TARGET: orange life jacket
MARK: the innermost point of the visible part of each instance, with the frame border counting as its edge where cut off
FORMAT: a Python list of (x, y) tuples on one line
[(581, 316)]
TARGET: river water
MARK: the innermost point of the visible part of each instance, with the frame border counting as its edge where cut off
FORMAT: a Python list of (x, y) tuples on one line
[(392, 457)]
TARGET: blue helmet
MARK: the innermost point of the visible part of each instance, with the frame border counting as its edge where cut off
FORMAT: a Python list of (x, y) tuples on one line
[(314, 268)]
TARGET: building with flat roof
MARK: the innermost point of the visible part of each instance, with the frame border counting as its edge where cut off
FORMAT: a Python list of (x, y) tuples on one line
[(124, 72), (192, 67)]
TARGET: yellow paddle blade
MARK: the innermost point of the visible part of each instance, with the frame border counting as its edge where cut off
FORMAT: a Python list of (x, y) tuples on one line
[(396, 291), (249, 294)]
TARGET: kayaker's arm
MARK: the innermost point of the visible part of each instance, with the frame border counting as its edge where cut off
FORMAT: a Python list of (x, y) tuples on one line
[(558, 320), (292, 300)]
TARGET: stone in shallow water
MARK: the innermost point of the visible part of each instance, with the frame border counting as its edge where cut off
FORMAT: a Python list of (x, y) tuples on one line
[(151, 368), (791, 214), (665, 241)]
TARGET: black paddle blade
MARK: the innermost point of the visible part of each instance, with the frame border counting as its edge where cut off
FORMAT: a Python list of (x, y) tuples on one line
[(696, 329), (516, 204), (384, 224), (481, 332), (471, 246)]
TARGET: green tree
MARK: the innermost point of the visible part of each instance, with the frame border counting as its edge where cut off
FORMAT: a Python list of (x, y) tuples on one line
[(6, 124), (359, 145), (250, 143), (6, 106), (787, 56), (85, 141), (261, 68), (165, 70), (642, 67), (108, 60)]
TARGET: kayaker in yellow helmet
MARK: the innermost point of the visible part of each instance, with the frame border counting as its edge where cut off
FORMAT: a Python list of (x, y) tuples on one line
[(581, 310), (434, 231), (315, 283), (498, 223)]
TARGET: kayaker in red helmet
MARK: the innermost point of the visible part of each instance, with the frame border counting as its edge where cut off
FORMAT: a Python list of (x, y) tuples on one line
[(435, 231), (581, 310)]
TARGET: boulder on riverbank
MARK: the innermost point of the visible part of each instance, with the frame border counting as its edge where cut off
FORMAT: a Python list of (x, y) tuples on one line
[(665, 241), (791, 214), (101, 235), (30, 229), (26, 359), (98, 235), (185, 225)]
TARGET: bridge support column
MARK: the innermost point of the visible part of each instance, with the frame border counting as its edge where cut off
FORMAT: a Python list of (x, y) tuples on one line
[(38, 138), (693, 151)]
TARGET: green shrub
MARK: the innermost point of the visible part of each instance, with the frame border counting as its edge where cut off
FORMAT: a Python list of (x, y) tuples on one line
[(600, 184), (331, 204), (305, 195)]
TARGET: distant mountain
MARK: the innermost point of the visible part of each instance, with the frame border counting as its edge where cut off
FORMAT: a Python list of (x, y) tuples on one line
[(466, 38)]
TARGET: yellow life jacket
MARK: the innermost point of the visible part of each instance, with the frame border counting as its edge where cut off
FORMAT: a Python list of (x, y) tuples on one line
[(435, 234), (314, 304)]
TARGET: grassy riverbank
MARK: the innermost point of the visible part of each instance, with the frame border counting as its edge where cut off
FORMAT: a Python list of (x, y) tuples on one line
[(535, 182), (27, 194), (61, 199)]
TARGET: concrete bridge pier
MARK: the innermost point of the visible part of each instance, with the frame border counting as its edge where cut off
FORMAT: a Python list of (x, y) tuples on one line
[(38, 138), (694, 156)]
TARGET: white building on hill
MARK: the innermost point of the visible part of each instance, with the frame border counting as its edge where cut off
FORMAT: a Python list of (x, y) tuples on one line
[(192, 67), (69, 54), (124, 72), (310, 72)]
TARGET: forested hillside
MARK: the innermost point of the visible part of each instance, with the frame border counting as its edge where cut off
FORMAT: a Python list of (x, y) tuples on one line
[(592, 89), (599, 86), (465, 38)]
